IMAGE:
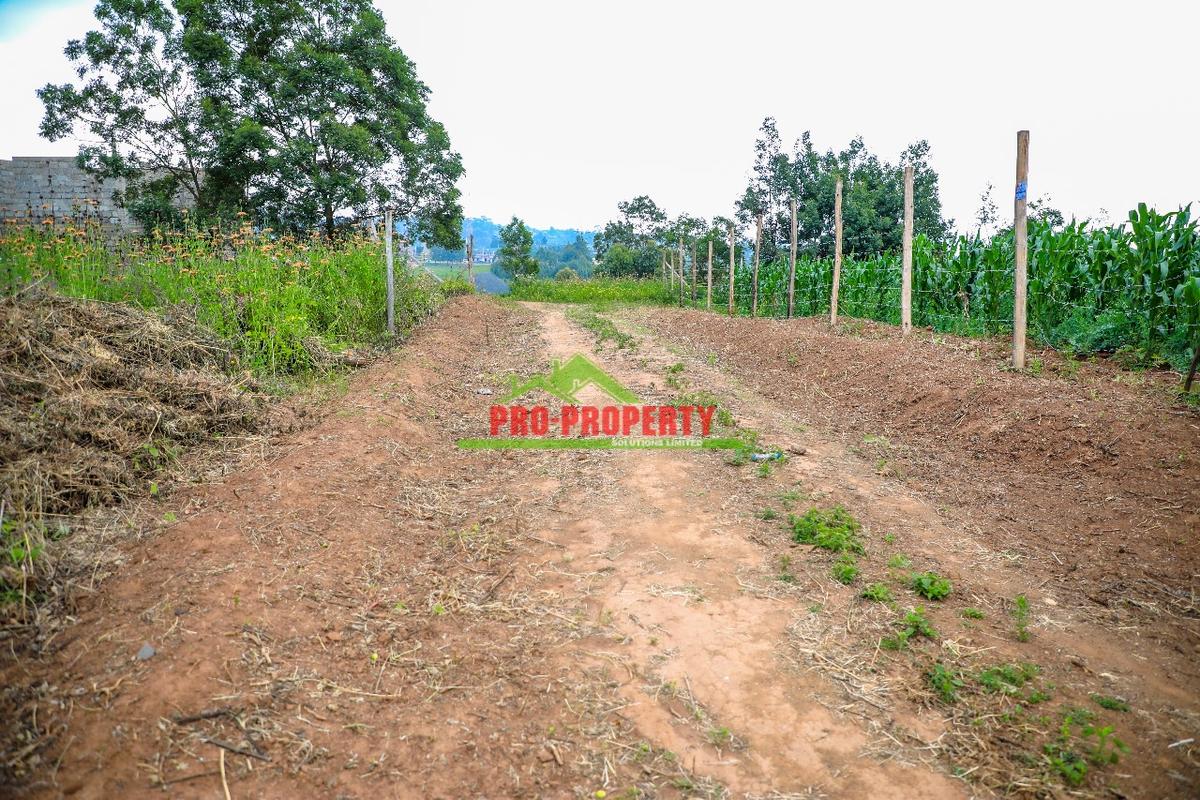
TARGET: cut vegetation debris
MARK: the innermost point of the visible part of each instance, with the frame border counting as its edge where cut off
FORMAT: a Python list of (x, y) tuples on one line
[(98, 400)]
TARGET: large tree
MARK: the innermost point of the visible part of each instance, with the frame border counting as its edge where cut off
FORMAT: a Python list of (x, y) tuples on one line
[(296, 111), (632, 244), (136, 108), (872, 196), (515, 256)]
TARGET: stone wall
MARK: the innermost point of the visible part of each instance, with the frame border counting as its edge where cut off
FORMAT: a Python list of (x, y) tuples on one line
[(33, 190)]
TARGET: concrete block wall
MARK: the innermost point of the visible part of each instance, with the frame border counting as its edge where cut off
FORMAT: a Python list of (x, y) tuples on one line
[(34, 189)]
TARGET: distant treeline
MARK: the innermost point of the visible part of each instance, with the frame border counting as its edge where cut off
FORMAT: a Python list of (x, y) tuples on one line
[(554, 249)]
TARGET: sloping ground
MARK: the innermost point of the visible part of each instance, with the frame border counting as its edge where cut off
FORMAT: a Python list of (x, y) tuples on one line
[(1091, 470), (373, 611)]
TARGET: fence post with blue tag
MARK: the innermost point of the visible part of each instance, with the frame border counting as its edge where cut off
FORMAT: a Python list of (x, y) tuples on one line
[(1020, 249)]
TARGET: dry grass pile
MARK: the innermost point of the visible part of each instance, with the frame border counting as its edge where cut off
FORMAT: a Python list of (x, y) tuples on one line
[(96, 401)]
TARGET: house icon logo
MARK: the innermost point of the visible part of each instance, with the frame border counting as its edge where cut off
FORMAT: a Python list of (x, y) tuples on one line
[(566, 380)]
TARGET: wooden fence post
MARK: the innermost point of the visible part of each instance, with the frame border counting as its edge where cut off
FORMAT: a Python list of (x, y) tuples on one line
[(757, 247), (695, 267), (708, 303), (391, 280), (471, 259), (837, 253), (682, 276), (906, 266), (792, 267), (1020, 249), (732, 249)]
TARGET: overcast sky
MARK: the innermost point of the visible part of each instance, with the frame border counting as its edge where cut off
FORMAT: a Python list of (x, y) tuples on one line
[(560, 109)]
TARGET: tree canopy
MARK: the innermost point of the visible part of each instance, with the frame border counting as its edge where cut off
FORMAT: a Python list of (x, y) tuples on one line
[(293, 111), (872, 196), (515, 256)]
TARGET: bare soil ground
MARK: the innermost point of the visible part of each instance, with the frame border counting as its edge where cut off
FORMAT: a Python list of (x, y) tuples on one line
[(373, 610)]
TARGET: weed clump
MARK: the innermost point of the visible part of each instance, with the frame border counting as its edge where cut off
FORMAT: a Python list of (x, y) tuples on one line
[(945, 681), (845, 569), (878, 592), (1111, 703), (1006, 678), (831, 529), (912, 625), (930, 585)]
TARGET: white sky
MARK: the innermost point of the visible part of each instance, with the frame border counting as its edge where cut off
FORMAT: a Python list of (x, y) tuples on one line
[(560, 109)]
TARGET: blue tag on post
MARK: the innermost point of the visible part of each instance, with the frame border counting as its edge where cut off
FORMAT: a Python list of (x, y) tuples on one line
[(1021, 190)]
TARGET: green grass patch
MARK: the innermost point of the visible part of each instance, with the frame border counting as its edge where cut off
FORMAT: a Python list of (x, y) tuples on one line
[(1111, 703), (591, 290), (279, 301), (603, 328), (878, 592), (831, 529), (1006, 678)]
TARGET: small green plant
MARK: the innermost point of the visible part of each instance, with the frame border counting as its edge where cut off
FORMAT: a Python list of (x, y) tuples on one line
[(764, 469), (878, 592), (720, 737), (912, 625), (930, 585), (899, 561), (845, 569), (1071, 751), (1021, 617), (674, 376), (830, 529), (785, 569), (888, 538), (768, 514), (1111, 703), (1006, 678), (971, 613), (945, 681)]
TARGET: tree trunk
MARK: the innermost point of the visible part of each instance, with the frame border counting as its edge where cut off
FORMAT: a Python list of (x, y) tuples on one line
[(329, 221)]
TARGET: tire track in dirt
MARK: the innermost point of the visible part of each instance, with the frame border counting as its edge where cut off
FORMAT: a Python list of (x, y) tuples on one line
[(666, 566)]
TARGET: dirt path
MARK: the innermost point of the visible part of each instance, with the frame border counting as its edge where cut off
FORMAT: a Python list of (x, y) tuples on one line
[(376, 611)]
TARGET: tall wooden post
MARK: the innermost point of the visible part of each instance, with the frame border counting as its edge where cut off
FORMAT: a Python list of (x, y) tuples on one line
[(682, 278), (391, 274), (792, 266), (757, 247), (471, 259), (837, 253), (695, 267), (1021, 250), (708, 303), (906, 266), (732, 249)]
